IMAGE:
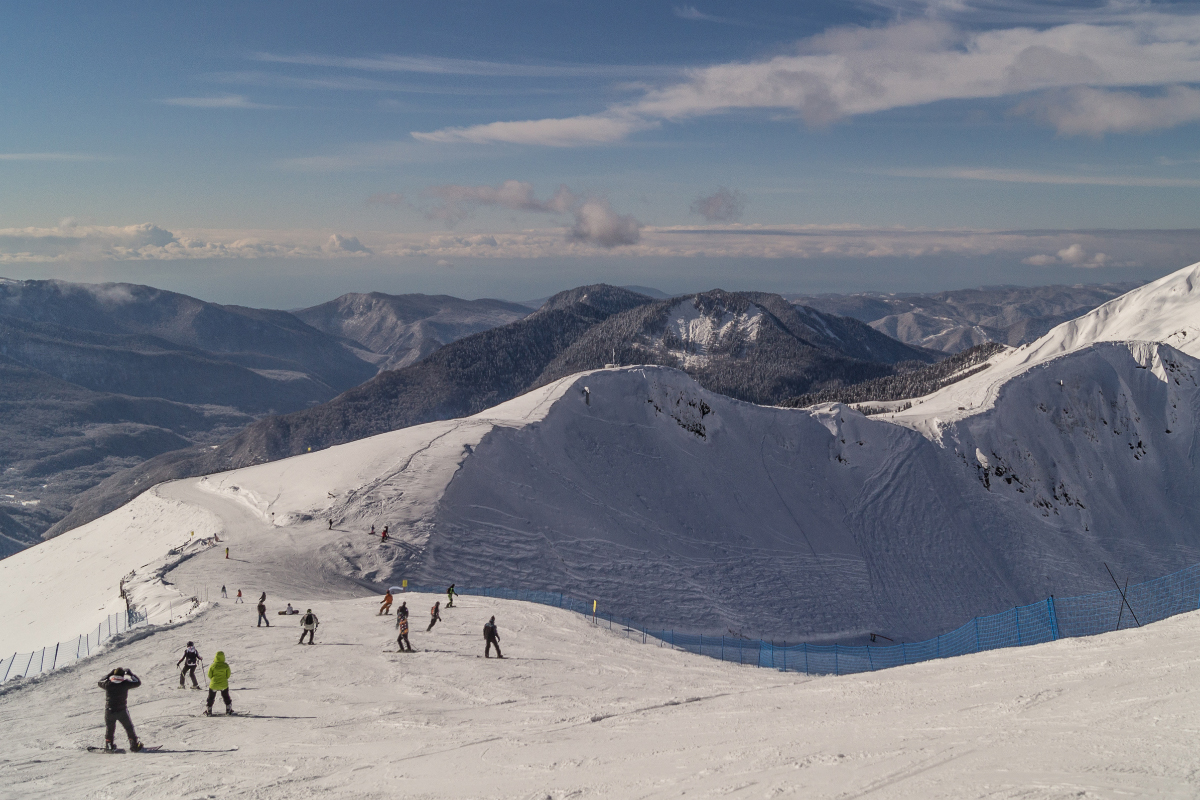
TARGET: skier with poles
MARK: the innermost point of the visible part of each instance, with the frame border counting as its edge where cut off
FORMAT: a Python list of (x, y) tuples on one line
[(386, 606), (218, 681), (450, 596), (435, 615), (308, 626), (190, 660), (116, 686), (492, 637)]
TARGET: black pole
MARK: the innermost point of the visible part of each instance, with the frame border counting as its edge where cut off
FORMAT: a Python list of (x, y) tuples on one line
[(1123, 597), (1122, 611)]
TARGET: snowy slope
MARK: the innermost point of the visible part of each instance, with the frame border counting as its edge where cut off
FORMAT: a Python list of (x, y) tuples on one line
[(686, 509), (579, 712)]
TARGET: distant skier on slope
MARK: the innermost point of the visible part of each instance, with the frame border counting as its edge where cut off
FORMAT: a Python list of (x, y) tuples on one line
[(435, 615), (218, 681), (262, 613), (386, 606), (239, 597), (308, 626), (223, 592), (116, 686), (450, 596), (402, 626), (491, 635), (190, 660), (402, 611)]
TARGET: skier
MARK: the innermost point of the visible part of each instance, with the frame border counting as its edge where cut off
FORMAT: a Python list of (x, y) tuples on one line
[(435, 615), (218, 681), (492, 636), (262, 613), (239, 597), (386, 606), (223, 592), (402, 611), (372, 530), (116, 686), (331, 524), (227, 552), (308, 626), (402, 626), (450, 596), (385, 533), (190, 660), (383, 537)]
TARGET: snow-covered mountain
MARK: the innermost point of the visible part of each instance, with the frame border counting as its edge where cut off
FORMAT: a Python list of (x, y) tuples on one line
[(684, 508)]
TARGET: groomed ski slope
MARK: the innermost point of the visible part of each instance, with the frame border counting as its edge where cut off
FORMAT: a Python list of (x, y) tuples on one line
[(576, 711)]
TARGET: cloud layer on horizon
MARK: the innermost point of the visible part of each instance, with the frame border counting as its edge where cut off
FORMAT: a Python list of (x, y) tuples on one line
[(596, 228)]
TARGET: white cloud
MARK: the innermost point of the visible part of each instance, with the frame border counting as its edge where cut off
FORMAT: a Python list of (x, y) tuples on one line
[(595, 220), (1074, 255), (1031, 176), (431, 65), (724, 205), (218, 101), (597, 223), (346, 245), (1094, 112), (846, 72), (443, 263), (568, 132)]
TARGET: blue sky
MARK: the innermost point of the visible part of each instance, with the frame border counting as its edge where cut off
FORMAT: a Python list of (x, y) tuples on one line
[(282, 153)]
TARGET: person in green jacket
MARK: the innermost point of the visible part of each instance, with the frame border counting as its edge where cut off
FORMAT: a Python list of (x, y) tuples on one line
[(218, 681)]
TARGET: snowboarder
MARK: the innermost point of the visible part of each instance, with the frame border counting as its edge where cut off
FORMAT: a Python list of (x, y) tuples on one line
[(239, 597), (402, 611), (331, 524), (218, 681), (383, 537), (402, 626), (308, 626), (227, 552), (450, 596), (262, 613), (385, 531), (223, 592), (190, 660), (492, 637), (289, 610), (435, 615), (386, 606), (372, 530), (116, 686)]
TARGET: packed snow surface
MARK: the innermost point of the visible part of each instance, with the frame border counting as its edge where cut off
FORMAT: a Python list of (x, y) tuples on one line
[(575, 711)]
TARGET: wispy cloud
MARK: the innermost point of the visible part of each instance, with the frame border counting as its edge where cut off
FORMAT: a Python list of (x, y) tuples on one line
[(52, 157), (695, 14), (1030, 176), (217, 101), (431, 65), (846, 72)]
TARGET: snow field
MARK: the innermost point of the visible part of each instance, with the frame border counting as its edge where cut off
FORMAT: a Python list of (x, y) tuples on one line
[(577, 711)]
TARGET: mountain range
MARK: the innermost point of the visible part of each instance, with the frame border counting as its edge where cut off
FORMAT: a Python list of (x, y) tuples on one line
[(956, 320)]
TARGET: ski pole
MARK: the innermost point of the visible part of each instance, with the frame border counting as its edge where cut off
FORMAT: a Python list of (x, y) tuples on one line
[(1123, 597)]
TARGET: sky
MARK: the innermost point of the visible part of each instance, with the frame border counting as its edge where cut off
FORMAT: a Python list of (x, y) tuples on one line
[(282, 153)]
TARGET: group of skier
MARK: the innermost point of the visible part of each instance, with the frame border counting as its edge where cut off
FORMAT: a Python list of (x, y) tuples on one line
[(491, 634)]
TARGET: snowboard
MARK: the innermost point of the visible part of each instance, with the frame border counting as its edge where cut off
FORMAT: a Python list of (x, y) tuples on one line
[(102, 751)]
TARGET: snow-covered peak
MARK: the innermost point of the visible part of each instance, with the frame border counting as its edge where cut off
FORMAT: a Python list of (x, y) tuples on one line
[(693, 333), (1166, 311)]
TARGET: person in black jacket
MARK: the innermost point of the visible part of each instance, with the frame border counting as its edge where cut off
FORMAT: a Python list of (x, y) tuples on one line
[(262, 614), (190, 660), (492, 636), (116, 686)]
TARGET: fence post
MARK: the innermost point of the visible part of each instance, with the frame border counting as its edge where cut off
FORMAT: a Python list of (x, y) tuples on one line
[(837, 670), (870, 661), (54, 663), (1053, 618), (805, 644), (10, 663), (1017, 613), (702, 644), (784, 657), (939, 646), (904, 652), (722, 647), (78, 645), (28, 664), (760, 647), (977, 634)]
